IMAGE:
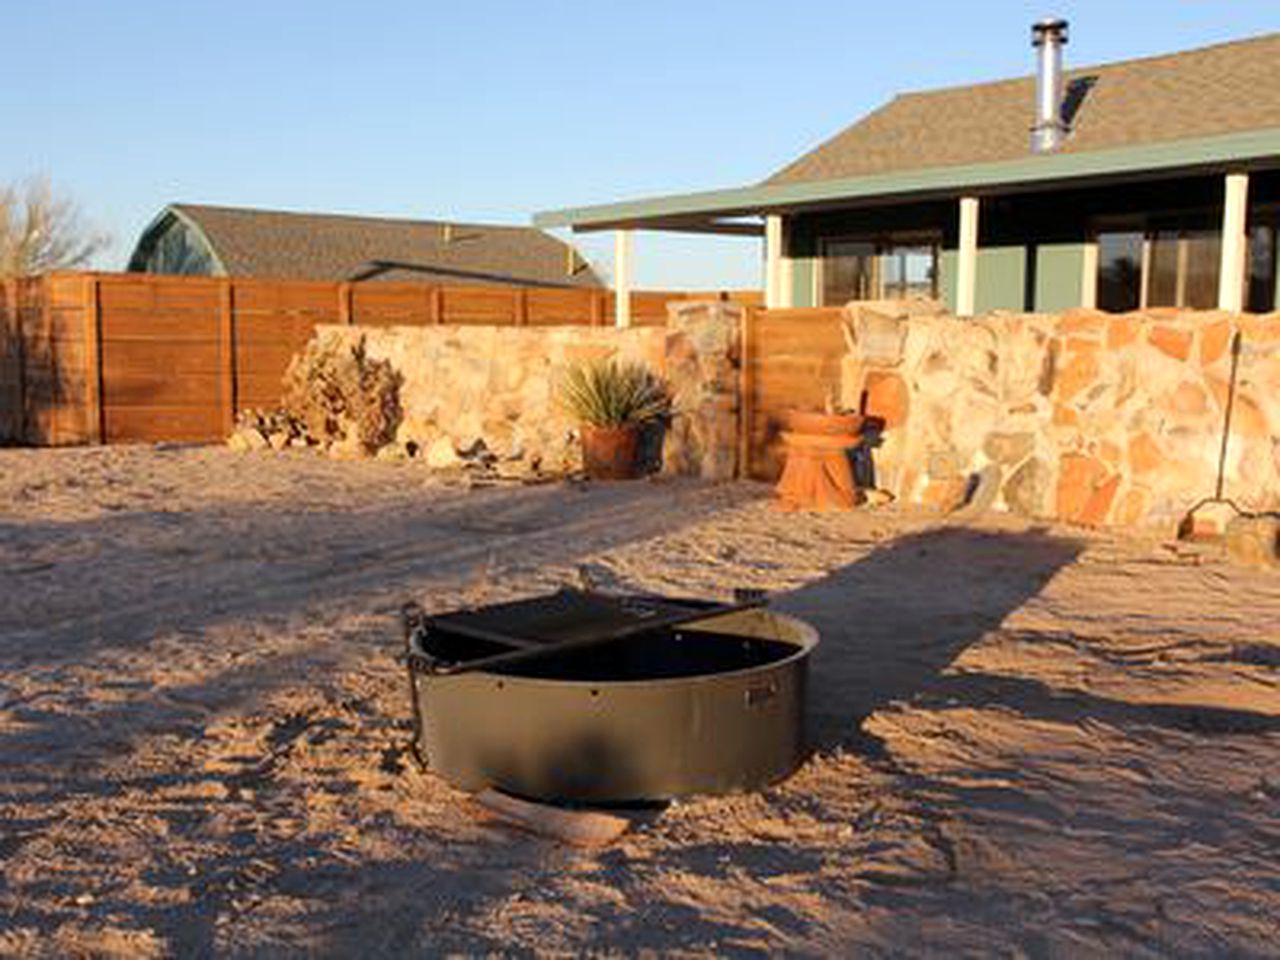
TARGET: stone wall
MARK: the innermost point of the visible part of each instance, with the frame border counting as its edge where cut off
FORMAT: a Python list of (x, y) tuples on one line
[(498, 385), (1083, 416)]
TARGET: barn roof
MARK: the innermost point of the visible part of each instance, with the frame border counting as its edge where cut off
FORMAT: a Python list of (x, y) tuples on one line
[(320, 246)]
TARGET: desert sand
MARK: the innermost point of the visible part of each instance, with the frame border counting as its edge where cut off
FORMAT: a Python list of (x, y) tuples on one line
[(1027, 739)]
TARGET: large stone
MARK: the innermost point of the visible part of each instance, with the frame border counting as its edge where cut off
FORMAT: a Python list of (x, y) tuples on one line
[(880, 336), (442, 456), (1144, 454), (1254, 541), (887, 397), (1027, 489), (1214, 339), (1079, 478), (1173, 341), (1008, 448)]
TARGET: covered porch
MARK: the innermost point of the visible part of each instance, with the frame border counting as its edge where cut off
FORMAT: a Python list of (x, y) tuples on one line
[(1189, 224)]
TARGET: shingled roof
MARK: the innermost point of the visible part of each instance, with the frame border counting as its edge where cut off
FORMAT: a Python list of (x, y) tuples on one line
[(318, 246), (1227, 88)]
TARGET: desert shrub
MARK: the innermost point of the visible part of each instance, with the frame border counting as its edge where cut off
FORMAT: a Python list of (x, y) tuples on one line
[(610, 394), (342, 395)]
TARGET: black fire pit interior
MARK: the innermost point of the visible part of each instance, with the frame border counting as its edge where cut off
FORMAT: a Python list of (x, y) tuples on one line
[(585, 697)]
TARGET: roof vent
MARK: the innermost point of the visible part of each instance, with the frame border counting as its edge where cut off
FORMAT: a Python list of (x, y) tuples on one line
[(1048, 37)]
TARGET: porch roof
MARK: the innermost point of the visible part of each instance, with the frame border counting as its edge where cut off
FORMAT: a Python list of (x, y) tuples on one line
[(720, 211)]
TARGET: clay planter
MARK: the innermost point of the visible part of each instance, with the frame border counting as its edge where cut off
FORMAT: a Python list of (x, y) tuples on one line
[(817, 474), (611, 453)]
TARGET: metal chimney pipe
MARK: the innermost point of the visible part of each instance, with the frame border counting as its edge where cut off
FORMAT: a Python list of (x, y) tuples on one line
[(1048, 37)]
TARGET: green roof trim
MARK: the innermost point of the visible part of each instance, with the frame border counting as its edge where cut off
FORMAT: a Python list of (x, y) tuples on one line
[(1167, 157)]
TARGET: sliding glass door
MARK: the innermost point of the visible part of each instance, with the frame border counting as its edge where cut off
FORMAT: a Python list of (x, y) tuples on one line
[(885, 269)]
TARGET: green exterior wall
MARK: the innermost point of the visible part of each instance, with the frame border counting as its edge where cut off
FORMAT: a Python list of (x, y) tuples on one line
[(1002, 279), (947, 278), (804, 275), (1059, 276)]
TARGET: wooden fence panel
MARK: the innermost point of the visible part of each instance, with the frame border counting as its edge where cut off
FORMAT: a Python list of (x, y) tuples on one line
[(558, 307), (160, 358), (791, 361), (11, 374), (51, 324)]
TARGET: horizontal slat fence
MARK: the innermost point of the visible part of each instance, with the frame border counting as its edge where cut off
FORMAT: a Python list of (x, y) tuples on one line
[(791, 360), (96, 357)]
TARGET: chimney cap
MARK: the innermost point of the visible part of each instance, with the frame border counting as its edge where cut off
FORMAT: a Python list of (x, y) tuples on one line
[(1049, 27)]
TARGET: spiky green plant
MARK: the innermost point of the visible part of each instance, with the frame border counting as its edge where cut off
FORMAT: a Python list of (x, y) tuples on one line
[(611, 394)]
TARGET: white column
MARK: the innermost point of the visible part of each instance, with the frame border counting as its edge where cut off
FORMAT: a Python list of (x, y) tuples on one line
[(1089, 276), (773, 262), (1231, 271), (967, 258), (622, 278)]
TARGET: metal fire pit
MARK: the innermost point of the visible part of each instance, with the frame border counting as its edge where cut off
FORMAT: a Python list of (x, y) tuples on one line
[(584, 697)]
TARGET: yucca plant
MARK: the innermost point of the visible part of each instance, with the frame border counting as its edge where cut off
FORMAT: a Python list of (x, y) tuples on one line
[(611, 394)]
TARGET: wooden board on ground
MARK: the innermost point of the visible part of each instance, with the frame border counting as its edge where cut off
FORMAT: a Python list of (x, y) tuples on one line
[(581, 828)]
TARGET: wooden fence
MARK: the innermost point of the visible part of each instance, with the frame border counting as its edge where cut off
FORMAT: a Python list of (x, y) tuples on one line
[(790, 360), (103, 358)]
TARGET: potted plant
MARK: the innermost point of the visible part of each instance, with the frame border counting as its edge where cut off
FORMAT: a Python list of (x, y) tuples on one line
[(613, 402)]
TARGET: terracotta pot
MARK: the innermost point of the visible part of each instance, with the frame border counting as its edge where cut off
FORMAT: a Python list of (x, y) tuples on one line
[(817, 474), (815, 423), (611, 453)]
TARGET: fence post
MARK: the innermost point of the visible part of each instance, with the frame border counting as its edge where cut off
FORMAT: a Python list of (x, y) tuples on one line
[(520, 306), (597, 307), (745, 388), (437, 304), (94, 425), (344, 304), (227, 353)]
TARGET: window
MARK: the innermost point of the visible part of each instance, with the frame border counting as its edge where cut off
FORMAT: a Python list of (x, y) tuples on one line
[(860, 269), (1159, 268), (1119, 271), (1260, 294)]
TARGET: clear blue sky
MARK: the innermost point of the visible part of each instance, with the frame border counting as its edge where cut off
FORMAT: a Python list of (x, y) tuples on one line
[(490, 110)]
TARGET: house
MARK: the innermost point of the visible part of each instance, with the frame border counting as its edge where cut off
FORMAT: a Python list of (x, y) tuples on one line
[(1144, 183), (234, 241)]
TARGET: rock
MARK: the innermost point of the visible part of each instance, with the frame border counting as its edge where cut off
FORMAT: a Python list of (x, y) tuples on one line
[(1008, 448), (348, 448), (945, 494), (871, 497), (981, 492), (238, 442), (442, 456), (392, 452), (1027, 491), (1254, 541), (253, 439)]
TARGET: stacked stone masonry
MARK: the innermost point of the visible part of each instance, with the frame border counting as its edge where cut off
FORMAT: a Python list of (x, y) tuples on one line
[(1087, 417), (498, 385)]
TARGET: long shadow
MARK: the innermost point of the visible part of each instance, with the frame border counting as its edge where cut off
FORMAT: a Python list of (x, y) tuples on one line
[(892, 622)]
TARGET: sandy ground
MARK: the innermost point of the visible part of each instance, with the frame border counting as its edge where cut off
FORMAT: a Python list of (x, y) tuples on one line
[(1027, 741)]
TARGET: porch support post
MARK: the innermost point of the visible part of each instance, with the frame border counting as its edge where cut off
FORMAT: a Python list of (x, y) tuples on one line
[(622, 278), (1089, 276), (967, 258), (773, 262), (1231, 271)]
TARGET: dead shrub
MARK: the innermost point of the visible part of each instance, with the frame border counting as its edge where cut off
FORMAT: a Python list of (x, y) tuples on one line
[(341, 395)]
